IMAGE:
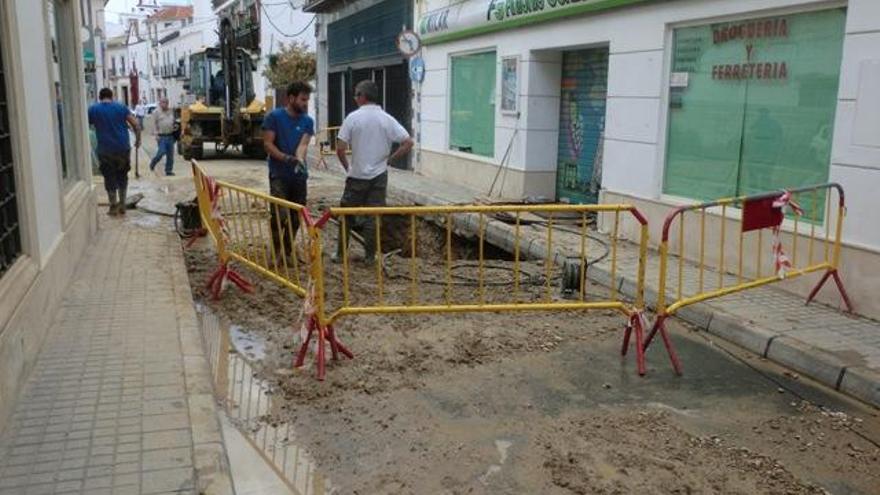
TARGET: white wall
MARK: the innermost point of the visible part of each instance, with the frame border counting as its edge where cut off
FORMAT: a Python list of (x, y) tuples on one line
[(43, 171), (855, 153), (191, 40), (56, 218), (635, 130)]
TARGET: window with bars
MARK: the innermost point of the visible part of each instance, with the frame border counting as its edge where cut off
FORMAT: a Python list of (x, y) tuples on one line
[(10, 231)]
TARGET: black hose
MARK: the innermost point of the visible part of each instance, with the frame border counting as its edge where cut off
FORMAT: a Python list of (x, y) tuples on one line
[(530, 278)]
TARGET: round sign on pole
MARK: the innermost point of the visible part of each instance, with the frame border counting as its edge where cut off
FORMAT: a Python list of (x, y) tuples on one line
[(417, 69), (409, 43)]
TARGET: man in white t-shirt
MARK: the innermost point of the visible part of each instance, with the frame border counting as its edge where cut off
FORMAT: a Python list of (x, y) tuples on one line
[(370, 132)]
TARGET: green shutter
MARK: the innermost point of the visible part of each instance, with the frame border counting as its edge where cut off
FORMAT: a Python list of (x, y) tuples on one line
[(743, 136), (369, 33), (472, 112)]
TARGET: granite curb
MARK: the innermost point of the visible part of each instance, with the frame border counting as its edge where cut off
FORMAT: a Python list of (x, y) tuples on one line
[(213, 474)]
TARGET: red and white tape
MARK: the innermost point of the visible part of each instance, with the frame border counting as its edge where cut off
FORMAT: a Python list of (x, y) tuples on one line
[(780, 259)]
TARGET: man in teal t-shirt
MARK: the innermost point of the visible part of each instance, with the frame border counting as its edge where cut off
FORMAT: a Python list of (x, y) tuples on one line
[(286, 135), (111, 121)]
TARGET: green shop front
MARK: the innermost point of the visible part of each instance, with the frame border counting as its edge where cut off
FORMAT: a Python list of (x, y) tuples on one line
[(661, 103), (752, 104), (715, 102)]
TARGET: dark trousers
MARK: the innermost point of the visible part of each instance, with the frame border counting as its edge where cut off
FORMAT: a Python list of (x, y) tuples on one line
[(363, 192), (285, 221), (114, 167)]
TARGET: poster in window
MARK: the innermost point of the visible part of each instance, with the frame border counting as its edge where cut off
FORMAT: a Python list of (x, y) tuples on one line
[(509, 84)]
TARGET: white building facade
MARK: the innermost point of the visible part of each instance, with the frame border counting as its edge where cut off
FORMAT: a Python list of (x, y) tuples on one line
[(175, 34), (659, 103), (47, 201)]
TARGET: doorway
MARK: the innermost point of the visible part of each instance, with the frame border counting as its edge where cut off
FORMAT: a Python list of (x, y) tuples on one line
[(581, 125)]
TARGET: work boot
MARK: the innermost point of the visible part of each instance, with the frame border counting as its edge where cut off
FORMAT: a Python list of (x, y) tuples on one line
[(111, 198), (121, 206)]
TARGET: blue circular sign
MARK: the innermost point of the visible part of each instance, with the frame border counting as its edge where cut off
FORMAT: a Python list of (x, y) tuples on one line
[(417, 69)]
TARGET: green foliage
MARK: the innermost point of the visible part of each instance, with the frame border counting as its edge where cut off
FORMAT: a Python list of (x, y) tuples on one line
[(293, 62)]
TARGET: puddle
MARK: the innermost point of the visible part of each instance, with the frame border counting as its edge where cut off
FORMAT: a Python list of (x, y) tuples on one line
[(147, 220), (247, 403), (251, 346), (503, 447)]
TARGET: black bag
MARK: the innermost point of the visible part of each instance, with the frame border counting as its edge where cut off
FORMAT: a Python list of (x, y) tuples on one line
[(187, 219)]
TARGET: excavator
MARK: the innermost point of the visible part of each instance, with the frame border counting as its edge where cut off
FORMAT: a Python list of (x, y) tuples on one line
[(226, 111)]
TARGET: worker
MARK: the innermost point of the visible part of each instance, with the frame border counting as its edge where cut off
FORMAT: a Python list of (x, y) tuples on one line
[(110, 118), (370, 133), (286, 135), (164, 124), (140, 111)]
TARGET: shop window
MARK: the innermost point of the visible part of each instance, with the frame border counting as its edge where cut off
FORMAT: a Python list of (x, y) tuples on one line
[(752, 105), (62, 67), (10, 228), (472, 112)]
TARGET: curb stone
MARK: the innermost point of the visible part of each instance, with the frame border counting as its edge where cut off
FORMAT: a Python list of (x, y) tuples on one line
[(213, 475), (859, 381), (856, 381), (806, 359)]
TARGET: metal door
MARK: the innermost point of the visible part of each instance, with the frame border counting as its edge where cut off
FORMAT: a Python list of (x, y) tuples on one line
[(581, 125)]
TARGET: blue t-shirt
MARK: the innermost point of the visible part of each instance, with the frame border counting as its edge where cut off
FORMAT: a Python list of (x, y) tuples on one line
[(111, 128), (288, 134)]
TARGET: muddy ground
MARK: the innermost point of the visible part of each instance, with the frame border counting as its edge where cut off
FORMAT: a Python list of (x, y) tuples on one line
[(537, 402)]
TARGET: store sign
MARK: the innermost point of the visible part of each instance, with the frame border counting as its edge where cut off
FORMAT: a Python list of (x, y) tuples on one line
[(748, 33), (472, 17)]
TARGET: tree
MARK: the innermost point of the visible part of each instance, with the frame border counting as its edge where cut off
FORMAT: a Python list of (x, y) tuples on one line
[(293, 62)]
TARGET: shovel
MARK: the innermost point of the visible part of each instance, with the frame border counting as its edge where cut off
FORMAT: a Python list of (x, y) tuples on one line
[(137, 161)]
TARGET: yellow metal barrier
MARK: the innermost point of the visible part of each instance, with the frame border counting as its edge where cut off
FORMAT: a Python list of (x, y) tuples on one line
[(326, 143), (398, 281), (326, 140), (241, 222), (754, 216), (255, 229)]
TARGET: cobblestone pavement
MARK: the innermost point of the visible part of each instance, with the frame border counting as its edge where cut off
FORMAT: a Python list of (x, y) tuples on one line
[(119, 400)]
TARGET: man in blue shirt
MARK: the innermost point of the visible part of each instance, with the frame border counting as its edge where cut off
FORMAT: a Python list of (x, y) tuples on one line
[(286, 135), (111, 121)]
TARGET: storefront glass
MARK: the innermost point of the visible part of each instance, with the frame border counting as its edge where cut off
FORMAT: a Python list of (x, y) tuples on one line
[(752, 105)]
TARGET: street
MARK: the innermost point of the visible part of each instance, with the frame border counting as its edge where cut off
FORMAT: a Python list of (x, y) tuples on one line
[(494, 403)]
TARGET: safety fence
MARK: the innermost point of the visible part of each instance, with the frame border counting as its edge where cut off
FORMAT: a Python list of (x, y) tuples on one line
[(420, 265), (325, 140), (255, 229), (758, 224)]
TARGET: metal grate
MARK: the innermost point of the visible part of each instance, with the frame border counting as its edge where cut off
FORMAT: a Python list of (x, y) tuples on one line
[(10, 232)]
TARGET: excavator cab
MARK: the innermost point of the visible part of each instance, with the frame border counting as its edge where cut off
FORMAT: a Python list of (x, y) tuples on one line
[(225, 110)]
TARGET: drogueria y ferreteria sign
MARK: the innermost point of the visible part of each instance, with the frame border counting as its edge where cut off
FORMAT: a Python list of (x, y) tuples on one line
[(473, 17)]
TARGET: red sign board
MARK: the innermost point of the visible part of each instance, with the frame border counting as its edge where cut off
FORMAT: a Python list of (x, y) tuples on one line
[(760, 214)]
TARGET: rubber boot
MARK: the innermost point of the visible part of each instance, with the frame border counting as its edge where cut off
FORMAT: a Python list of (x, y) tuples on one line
[(111, 197), (121, 206)]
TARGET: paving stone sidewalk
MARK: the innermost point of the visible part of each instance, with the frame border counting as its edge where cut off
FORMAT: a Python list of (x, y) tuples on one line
[(839, 350), (120, 399)]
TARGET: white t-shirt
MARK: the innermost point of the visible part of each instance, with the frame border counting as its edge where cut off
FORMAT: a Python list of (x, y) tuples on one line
[(370, 132)]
